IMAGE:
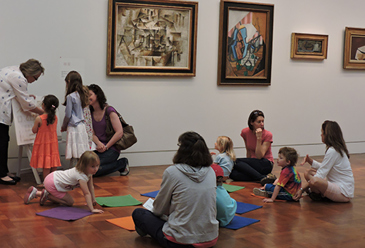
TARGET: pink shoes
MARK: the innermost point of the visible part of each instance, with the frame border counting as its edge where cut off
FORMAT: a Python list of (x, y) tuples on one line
[(30, 195), (44, 197)]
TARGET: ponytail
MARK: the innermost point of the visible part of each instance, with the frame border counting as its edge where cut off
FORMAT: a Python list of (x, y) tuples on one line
[(50, 103), (51, 115)]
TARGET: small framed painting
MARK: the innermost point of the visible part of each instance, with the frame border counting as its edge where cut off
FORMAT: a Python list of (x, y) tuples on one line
[(245, 43), (354, 52), (309, 46), (152, 38)]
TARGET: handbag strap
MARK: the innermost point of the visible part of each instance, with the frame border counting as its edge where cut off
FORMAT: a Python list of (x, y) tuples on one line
[(124, 124)]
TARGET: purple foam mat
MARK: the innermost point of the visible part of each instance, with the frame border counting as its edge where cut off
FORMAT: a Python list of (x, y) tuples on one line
[(65, 213)]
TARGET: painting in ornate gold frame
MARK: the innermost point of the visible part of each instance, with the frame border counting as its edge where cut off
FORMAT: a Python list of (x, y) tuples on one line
[(152, 38), (354, 52)]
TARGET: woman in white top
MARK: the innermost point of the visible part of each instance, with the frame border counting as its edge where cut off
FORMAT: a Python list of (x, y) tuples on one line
[(333, 178), (14, 82)]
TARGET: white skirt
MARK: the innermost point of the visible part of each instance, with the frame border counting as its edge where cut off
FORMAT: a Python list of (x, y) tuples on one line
[(77, 141)]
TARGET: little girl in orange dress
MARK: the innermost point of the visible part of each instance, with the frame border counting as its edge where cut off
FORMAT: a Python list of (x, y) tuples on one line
[(45, 153)]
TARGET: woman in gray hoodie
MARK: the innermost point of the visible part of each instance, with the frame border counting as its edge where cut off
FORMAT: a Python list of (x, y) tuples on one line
[(184, 211)]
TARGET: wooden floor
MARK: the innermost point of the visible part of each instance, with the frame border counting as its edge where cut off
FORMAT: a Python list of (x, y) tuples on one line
[(282, 224)]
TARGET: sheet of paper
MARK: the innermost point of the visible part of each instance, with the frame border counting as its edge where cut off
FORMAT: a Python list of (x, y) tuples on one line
[(149, 204)]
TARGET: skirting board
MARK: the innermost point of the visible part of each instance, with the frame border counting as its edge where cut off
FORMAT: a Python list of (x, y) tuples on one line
[(151, 158)]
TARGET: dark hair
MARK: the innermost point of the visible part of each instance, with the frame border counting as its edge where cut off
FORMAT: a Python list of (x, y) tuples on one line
[(253, 116), (74, 83), (333, 137), (100, 96), (31, 67), (192, 151), (50, 103), (290, 154)]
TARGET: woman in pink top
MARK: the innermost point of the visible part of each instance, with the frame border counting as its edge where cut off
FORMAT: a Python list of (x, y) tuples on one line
[(258, 164)]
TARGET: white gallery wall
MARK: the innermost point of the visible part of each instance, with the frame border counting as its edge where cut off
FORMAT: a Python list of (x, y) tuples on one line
[(303, 93)]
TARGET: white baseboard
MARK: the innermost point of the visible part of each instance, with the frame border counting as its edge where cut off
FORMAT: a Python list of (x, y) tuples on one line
[(150, 158)]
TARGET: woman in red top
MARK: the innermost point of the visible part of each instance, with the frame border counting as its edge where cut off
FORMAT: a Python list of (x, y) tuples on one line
[(258, 164)]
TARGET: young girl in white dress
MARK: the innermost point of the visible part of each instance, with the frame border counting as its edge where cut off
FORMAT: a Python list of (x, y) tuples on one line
[(75, 101)]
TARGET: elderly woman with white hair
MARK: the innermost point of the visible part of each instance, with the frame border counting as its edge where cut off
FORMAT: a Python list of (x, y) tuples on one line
[(14, 82)]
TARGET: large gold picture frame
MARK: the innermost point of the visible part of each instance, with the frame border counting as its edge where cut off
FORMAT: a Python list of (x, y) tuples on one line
[(152, 38), (354, 52)]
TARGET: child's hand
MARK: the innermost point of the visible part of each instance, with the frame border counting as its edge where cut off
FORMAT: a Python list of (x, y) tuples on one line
[(268, 200), (97, 211), (297, 195)]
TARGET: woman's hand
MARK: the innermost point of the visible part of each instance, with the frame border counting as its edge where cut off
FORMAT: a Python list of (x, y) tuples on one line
[(100, 147), (307, 159), (297, 195), (258, 133), (268, 200), (97, 211)]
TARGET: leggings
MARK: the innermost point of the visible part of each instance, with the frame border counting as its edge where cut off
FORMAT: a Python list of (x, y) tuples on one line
[(4, 145), (251, 169)]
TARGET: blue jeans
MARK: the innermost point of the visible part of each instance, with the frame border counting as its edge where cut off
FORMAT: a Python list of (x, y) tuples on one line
[(152, 225), (250, 169), (283, 195), (110, 163)]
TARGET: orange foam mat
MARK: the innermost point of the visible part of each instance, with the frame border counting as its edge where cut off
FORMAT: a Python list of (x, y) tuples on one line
[(124, 222)]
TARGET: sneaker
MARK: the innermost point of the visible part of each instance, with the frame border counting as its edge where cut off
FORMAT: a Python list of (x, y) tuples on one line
[(44, 197), (140, 232), (270, 178), (229, 180), (30, 195), (260, 192), (126, 170)]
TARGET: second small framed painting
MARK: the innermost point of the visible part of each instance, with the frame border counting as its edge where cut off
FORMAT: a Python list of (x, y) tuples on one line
[(354, 54), (309, 46)]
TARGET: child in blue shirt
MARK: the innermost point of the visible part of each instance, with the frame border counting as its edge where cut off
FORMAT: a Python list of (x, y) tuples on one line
[(226, 156), (226, 206)]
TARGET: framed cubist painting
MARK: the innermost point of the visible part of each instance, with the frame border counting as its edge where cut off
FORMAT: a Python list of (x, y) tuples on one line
[(309, 46), (245, 43), (354, 52), (152, 37)]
